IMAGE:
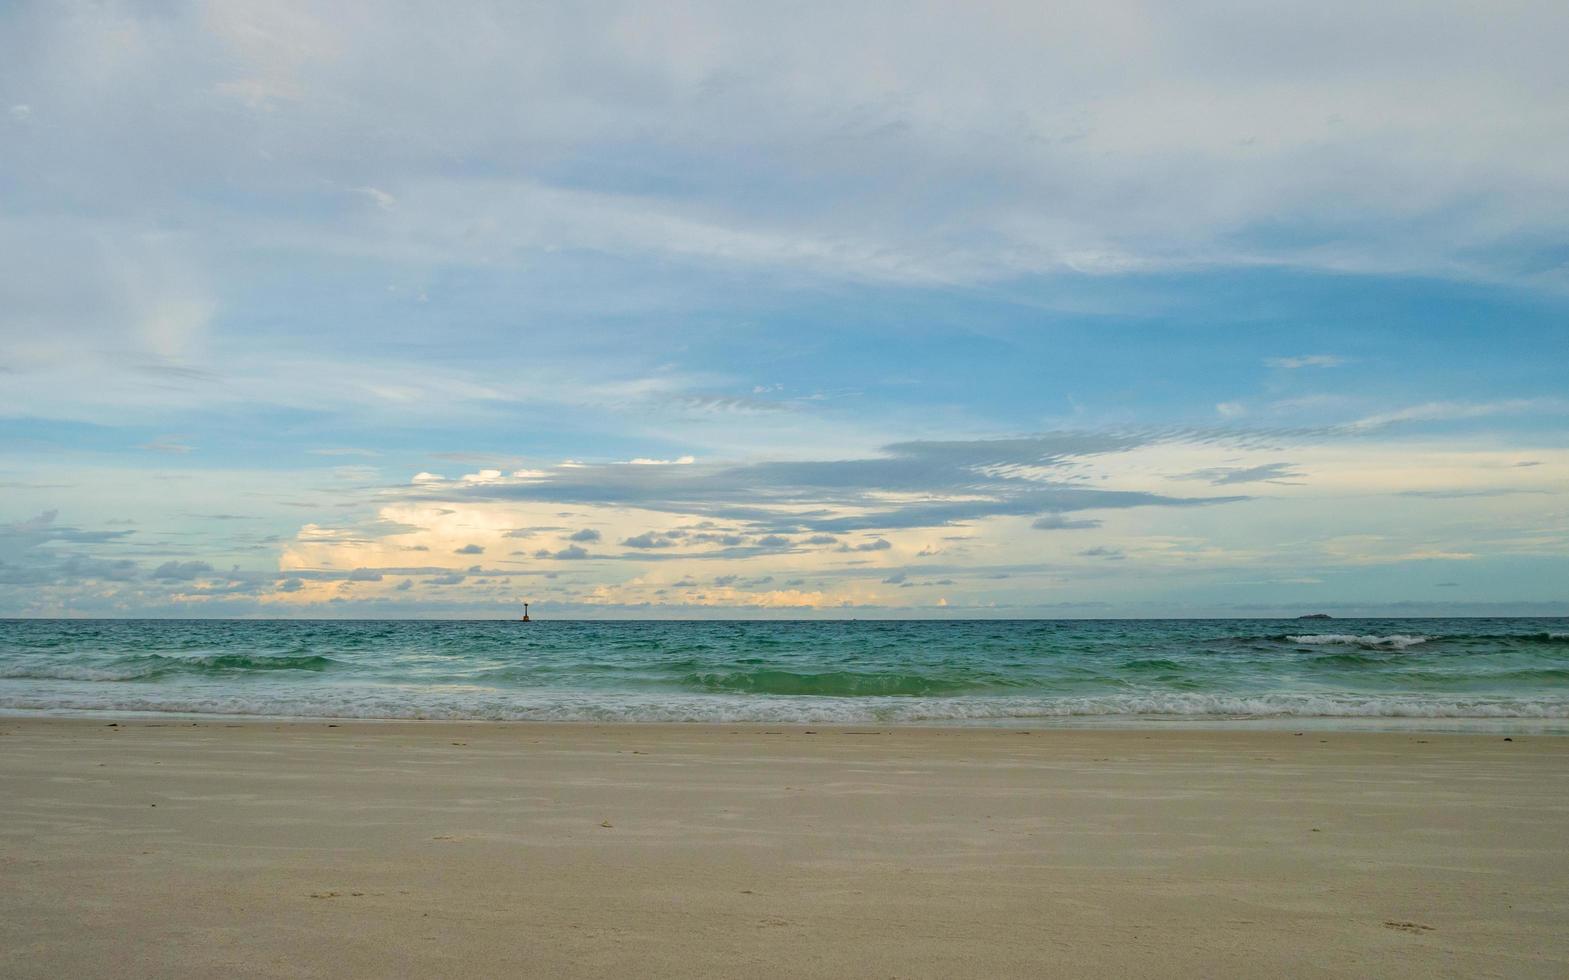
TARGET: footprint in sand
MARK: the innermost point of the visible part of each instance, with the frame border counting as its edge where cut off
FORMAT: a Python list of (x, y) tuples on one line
[(1407, 926)]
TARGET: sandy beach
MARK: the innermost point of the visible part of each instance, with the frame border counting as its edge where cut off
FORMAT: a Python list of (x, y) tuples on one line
[(163, 847)]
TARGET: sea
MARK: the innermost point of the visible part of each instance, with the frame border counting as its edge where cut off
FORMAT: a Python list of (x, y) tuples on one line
[(1510, 674)]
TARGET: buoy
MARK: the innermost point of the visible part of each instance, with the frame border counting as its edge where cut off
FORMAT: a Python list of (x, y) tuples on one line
[(525, 612)]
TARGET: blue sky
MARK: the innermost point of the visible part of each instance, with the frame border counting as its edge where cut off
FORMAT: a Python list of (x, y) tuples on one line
[(710, 310)]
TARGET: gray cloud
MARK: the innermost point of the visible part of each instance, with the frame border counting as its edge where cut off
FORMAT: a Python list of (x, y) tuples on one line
[(877, 545), (44, 529), (648, 539), (1110, 554), (1000, 477), (585, 536), (469, 549), (1466, 494), (1122, 168), (1056, 522), (181, 571), (569, 553), (1220, 476)]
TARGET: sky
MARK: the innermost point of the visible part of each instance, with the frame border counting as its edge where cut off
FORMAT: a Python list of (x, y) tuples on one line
[(687, 310)]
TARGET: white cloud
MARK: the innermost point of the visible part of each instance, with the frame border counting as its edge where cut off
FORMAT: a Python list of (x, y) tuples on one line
[(1104, 137), (1448, 411), (379, 197), (1305, 360)]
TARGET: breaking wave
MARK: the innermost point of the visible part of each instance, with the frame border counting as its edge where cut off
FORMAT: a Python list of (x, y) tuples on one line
[(812, 710), (1398, 641)]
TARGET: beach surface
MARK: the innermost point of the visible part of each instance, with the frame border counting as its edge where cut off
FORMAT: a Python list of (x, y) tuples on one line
[(166, 847)]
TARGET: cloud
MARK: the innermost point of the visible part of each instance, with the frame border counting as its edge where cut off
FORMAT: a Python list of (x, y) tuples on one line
[(1305, 361), (41, 551), (343, 451), (1220, 476), (879, 544), (43, 529), (182, 571), (586, 535), (1449, 411), (469, 549), (1056, 522), (1110, 554), (569, 553), (648, 539), (378, 197), (777, 134), (941, 483)]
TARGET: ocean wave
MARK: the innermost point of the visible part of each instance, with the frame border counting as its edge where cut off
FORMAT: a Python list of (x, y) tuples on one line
[(373, 704), (155, 666), (1151, 664), (1397, 641), (836, 683)]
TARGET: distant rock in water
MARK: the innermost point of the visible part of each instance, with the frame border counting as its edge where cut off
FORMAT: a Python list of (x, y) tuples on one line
[(1316, 616)]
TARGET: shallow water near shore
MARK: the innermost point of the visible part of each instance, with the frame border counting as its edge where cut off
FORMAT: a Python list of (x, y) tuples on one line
[(1435, 673)]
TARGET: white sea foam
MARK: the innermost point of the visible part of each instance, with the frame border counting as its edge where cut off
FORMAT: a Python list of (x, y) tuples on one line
[(623, 707), (1397, 641)]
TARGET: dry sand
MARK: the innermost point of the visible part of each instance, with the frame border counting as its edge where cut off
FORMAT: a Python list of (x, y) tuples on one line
[(162, 849)]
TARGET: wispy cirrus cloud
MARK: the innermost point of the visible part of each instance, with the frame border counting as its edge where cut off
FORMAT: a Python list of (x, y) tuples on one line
[(1305, 361), (1220, 476)]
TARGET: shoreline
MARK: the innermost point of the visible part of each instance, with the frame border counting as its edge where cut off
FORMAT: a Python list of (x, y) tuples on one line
[(156, 847), (1369, 724)]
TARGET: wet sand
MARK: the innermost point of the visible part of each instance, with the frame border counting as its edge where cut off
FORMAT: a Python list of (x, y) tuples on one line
[(159, 848)]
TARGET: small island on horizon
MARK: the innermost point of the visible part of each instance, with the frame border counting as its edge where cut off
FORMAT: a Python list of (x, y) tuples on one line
[(1316, 616)]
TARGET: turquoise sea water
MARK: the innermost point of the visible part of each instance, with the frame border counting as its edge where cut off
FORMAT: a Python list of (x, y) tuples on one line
[(1503, 671)]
